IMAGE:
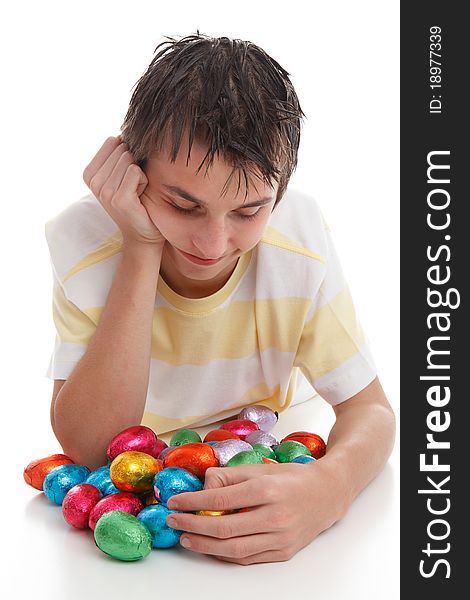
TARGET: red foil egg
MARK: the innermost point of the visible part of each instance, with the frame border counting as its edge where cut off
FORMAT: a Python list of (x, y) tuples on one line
[(269, 461), (121, 501), (35, 473), (78, 503), (240, 427), (314, 442), (196, 457), (137, 438), (218, 435)]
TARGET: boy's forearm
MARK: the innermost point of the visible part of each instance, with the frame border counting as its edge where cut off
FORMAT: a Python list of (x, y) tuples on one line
[(360, 442), (107, 390)]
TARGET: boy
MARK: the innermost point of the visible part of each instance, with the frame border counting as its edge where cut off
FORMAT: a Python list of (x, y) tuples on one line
[(190, 284)]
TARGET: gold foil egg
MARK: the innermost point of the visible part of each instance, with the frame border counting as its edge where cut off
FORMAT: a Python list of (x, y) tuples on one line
[(214, 513), (134, 471)]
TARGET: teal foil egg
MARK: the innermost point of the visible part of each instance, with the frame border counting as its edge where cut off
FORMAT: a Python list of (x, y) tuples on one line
[(175, 480), (122, 536), (154, 518), (304, 459), (62, 479), (101, 479)]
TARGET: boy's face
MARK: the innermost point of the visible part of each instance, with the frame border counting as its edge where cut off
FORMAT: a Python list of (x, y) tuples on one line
[(215, 226)]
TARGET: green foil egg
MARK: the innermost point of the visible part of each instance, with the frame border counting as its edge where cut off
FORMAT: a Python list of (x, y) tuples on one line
[(246, 457), (264, 451), (286, 451), (184, 436), (121, 535)]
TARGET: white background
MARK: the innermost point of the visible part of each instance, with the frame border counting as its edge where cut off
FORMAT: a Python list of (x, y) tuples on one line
[(68, 70)]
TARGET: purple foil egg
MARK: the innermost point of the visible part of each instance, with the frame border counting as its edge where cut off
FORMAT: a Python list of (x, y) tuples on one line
[(225, 449), (263, 416), (166, 451), (261, 437)]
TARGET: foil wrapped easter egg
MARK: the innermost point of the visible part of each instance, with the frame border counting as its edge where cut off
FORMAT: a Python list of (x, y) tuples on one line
[(264, 451), (218, 435), (78, 504), (247, 457), (134, 471), (166, 451), (196, 457), (62, 479), (36, 471), (263, 416), (241, 427), (184, 436), (314, 442), (225, 449), (175, 480), (137, 438), (154, 518), (102, 480), (286, 451), (261, 437), (213, 513), (150, 499), (269, 461), (122, 536), (303, 459), (123, 501)]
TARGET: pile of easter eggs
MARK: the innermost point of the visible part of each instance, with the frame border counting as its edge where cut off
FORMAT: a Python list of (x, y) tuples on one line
[(125, 501)]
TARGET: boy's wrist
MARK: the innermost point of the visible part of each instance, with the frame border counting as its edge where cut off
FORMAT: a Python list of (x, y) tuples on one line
[(335, 471), (142, 250)]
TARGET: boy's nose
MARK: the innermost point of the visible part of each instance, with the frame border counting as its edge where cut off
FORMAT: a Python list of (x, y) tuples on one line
[(211, 243)]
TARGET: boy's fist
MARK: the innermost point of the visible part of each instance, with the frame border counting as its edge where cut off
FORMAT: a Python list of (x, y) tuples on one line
[(118, 182)]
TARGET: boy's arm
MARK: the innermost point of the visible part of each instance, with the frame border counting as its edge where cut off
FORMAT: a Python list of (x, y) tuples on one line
[(107, 389), (361, 439), (290, 504)]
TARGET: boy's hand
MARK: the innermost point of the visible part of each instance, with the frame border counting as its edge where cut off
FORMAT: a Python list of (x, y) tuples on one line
[(117, 182), (289, 505)]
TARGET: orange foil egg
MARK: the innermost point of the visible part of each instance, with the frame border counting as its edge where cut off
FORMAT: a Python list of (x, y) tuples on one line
[(134, 471), (35, 473), (218, 435), (314, 442), (195, 457), (269, 461)]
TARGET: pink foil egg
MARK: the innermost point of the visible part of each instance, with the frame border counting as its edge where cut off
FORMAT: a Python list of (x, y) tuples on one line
[(124, 501), (137, 438), (261, 437), (78, 503), (263, 416), (241, 427)]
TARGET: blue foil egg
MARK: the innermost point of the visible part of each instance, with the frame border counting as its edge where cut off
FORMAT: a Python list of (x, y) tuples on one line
[(101, 479), (62, 479), (154, 518), (303, 459), (175, 480)]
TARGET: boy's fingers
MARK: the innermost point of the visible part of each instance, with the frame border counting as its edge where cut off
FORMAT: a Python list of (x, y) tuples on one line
[(223, 526), (108, 147), (231, 497), (128, 188)]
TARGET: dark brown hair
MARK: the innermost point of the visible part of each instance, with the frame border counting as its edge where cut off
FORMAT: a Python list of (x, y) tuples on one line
[(228, 94)]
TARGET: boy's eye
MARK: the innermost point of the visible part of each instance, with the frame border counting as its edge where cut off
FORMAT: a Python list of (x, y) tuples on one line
[(238, 214)]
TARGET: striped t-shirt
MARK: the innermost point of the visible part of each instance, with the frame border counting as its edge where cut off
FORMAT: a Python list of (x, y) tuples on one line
[(285, 311)]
